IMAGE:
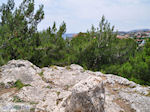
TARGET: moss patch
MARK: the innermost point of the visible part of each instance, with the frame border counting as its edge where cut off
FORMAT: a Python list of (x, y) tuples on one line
[(18, 84)]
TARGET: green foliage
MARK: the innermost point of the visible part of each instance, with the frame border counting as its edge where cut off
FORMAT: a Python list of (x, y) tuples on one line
[(58, 93), (18, 84), (100, 47), (111, 69), (18, 29), (2, 85), (126, 70), (103, 71), (68, 68), (97, 49), (32, 110), (41, 74)]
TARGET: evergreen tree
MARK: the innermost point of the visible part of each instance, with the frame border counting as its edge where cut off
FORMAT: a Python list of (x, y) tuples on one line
[(18, 27)]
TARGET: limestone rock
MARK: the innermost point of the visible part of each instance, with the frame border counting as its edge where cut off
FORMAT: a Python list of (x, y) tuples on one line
[(19, 70), (68, 89), (87, 96)]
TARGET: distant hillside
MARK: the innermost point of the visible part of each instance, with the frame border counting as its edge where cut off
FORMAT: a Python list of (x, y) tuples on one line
[(134, 31), (140, 30), (69, 35)]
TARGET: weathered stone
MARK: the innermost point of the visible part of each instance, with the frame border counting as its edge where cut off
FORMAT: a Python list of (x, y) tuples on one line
[(87, 96), (19, 70), (68, 89)]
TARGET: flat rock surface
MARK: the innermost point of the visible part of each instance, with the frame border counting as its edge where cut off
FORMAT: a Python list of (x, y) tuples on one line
[(68, 89)]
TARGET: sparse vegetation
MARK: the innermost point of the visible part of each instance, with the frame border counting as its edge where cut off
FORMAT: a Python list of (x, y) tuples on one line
[(18, 84), (51, 82), (49, 87), (54, 67), (68, 67), (33, 103), (2, 85), (16, 99), (32, 110), (58, 93), (41, 73)]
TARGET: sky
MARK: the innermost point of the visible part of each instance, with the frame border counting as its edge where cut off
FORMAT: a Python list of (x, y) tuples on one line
[(79, 15)]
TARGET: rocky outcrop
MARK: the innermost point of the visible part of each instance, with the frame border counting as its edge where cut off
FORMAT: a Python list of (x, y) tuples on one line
[(67, 89), (87, 96)]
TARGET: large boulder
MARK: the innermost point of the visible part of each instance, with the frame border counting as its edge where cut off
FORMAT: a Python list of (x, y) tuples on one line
[(19, 70), (87, 96)]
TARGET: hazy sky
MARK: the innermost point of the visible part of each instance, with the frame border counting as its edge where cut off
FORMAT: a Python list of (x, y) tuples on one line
[(79, 15)]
